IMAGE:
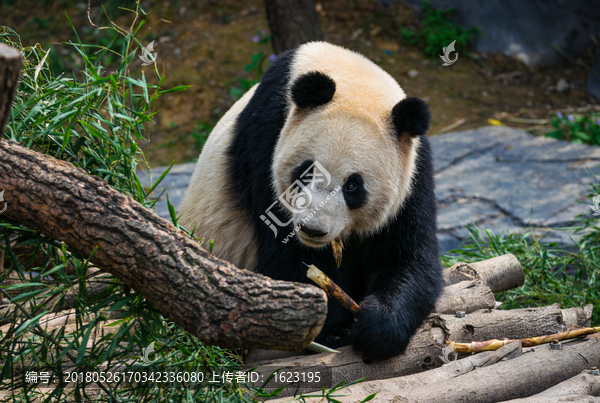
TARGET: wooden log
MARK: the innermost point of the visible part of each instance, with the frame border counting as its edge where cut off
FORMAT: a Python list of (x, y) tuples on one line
[(210, 298), (467, 296), (501, 273), (527, 375), (424, 351), (449, 371), (583, 388), (520, 377), (512, 324), (480, 325)]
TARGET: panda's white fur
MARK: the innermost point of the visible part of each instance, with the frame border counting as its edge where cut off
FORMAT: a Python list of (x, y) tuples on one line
[(208, 209), (324, 104)]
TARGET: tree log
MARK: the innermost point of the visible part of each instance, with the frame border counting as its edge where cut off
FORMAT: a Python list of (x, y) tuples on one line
[(523, 376), (512, 324), (501, 273), (478, 326), (210, 298), (519, 377), (467, 296), (583, 388), (449, 371), (292, 23), (424, 351)]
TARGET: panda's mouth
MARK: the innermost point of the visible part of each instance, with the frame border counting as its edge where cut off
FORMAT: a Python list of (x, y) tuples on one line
[(313, 242)]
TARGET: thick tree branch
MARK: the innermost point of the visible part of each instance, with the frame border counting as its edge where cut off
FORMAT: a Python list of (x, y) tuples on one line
[(210, 298)]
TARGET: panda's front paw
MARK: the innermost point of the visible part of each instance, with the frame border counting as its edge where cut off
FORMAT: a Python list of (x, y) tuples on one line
[(378, 331)]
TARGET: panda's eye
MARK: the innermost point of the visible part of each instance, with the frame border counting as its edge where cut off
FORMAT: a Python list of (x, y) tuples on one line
[(350, 186), (355, 193)]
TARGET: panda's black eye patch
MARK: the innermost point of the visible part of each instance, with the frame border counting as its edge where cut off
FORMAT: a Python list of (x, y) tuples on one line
[(300, 170), (355, 193)]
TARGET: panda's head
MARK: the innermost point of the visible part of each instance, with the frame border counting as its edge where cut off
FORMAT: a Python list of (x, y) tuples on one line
[(345, 158)]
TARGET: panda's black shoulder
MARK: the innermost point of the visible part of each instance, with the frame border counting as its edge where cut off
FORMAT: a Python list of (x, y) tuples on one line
[(257, 129)]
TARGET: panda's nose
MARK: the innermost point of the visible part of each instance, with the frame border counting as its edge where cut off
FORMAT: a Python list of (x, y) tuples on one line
[(313, 233)]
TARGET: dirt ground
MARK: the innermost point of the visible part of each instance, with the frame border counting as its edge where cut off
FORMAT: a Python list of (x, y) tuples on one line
[(207, 44)]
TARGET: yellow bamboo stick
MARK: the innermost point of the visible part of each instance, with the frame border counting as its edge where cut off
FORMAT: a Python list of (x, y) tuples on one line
[(331, 288), (490, 345)]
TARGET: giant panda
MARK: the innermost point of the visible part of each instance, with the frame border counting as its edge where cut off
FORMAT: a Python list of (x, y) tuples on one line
[(327, 147)]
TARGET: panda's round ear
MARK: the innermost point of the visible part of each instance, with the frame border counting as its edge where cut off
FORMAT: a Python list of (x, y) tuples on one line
[(411, 116), (313, 89)]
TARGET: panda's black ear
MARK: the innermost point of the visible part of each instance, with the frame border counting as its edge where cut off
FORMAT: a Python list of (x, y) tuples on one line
[(411, 116), (313, 89)]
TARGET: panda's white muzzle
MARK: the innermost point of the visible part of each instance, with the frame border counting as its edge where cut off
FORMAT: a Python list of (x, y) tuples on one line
[(324, 219)]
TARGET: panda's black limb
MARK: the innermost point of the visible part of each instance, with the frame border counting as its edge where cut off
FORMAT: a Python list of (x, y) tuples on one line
[(401, 261)]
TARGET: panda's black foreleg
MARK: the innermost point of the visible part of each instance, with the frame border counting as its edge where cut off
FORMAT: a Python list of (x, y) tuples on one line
[(389, 316)]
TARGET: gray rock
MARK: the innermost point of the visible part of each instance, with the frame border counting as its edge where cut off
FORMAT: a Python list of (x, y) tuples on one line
[(506, 180), (527, 29)]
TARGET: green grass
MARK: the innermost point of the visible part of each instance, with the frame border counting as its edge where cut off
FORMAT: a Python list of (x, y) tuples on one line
[(580, 129), (438, 31)]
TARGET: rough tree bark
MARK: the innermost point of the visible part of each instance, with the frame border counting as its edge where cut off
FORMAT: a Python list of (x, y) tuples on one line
[(292, 23), (520, 377), (501, 273), (467, 296), (453, 370), (208, 297), (512, 324), (424, 350), (523, 376), (583, 388)]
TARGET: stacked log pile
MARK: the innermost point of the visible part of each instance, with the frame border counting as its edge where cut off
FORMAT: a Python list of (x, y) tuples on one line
[(430, 371)]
